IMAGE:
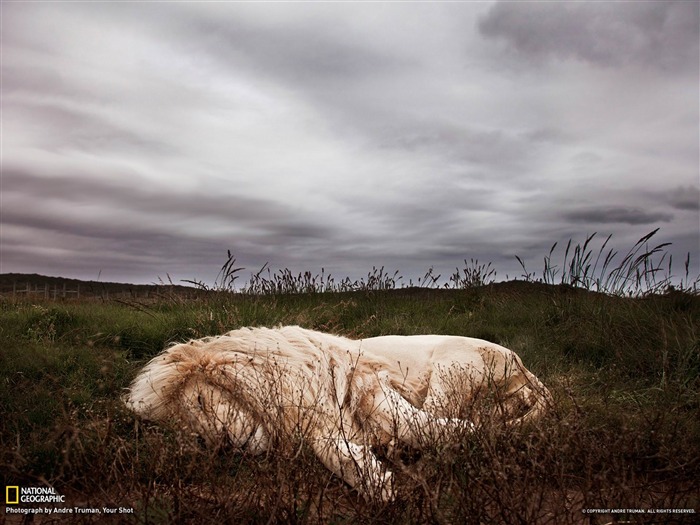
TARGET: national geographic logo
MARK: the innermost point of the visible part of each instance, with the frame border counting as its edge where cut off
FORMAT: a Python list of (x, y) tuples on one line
[(14, 495), (26, 501)]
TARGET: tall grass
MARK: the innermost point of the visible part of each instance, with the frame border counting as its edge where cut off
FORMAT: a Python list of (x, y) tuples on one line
[(284, 281), (644, 269)]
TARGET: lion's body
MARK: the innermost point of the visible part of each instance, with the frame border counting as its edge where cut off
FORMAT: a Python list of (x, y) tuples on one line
[(260, 387)]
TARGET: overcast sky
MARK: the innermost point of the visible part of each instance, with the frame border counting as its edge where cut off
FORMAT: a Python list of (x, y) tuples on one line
[(145, 139)]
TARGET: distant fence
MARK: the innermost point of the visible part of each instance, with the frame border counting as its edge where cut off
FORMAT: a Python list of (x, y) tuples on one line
[(45, 290), (18, 290)]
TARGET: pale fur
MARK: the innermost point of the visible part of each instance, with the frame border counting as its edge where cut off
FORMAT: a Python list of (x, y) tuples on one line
[(260, 388)]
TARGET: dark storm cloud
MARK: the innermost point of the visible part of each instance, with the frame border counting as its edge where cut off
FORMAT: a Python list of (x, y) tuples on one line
[(141, 230), (660, 34), (685, 198), (625, 215), (84, 129), (130, 246), (256, 213), (128, 254)]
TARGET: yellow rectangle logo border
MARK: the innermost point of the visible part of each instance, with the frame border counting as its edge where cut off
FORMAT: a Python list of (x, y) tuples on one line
[(7, 494)]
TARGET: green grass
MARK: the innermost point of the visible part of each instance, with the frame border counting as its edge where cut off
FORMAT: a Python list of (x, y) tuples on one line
[(625, 432)]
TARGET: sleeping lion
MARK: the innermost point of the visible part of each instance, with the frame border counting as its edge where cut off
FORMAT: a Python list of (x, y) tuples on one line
[(255, 388)]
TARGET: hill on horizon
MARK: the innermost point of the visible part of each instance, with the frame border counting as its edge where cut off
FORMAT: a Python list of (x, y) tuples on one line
[(54, 287)]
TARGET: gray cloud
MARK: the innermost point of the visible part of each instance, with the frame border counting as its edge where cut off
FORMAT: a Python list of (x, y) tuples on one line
[(685, 198), (289, 51), (275, 220), (340, 135), (660, 34), (625, 215), (85, 129), (497, 149)]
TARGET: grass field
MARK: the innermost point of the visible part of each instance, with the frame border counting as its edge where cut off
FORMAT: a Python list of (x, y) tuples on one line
[(616, 340), (624, 434)]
